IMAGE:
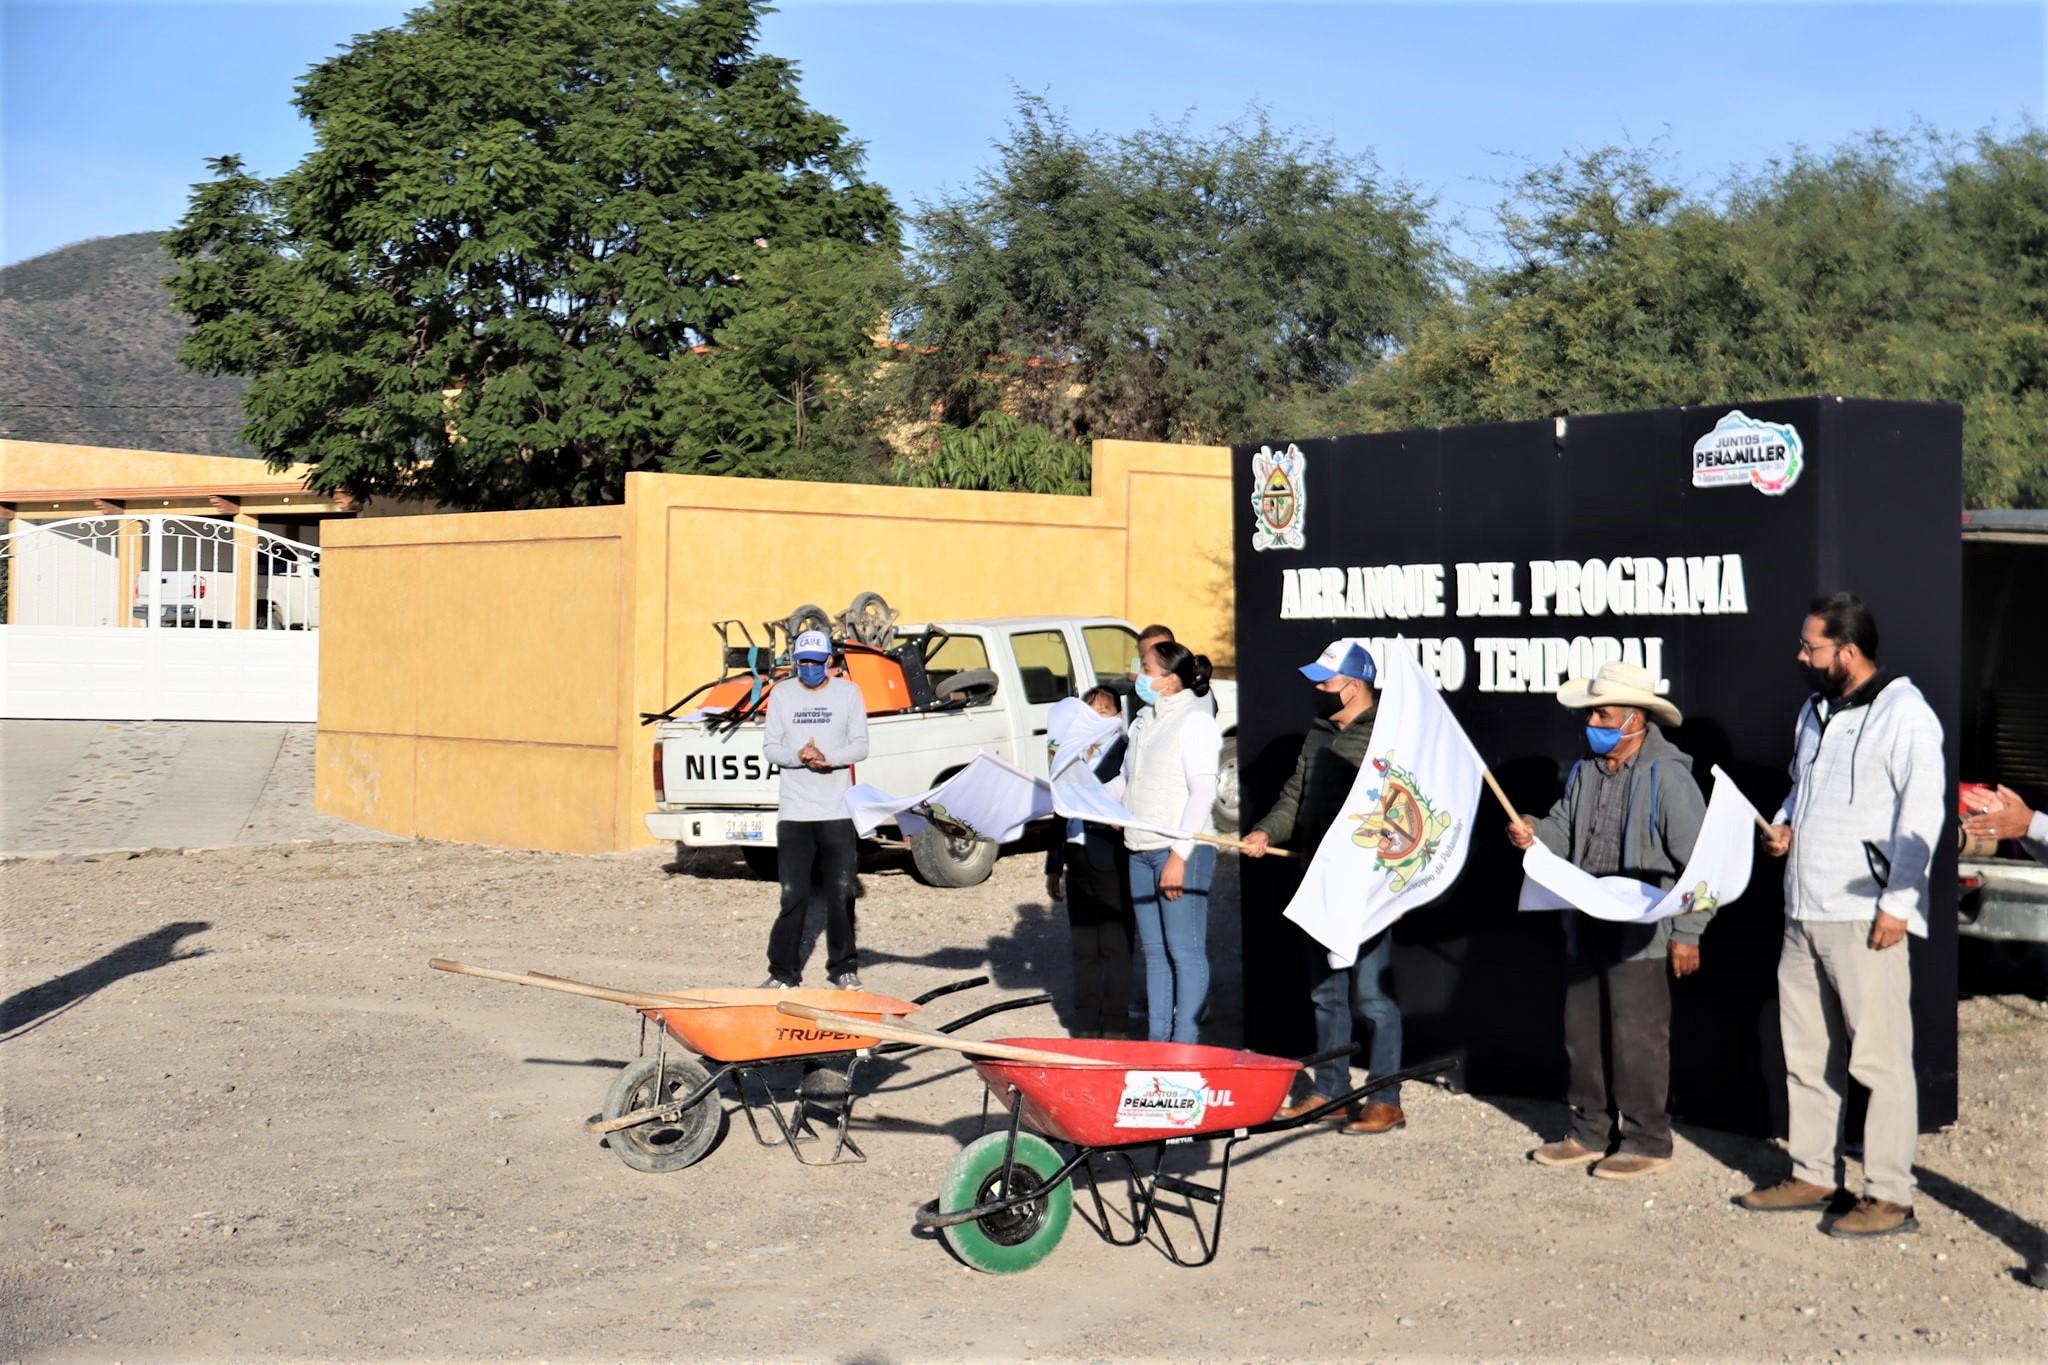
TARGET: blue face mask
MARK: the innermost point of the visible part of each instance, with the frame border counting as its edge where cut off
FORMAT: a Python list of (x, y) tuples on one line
[(1147, 693), (810, 672), (1604, 738)]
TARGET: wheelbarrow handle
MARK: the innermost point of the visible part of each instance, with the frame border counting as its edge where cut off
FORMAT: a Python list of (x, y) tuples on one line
[(954, 1026), (1413, 1073), (1329, 1054), (935, 992)]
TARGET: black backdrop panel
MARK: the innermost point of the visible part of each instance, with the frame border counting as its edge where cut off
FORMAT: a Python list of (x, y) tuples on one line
[(1874, 511)]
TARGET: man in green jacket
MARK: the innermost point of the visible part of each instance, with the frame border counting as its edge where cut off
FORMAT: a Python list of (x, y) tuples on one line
[(1309, 804)]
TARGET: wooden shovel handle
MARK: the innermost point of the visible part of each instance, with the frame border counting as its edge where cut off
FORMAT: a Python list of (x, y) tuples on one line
[(685, 1002), (902, 1033), (639, 1000), (1222, 842)]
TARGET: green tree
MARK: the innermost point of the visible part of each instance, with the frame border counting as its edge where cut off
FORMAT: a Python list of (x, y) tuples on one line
[(493, 280), (1887, 268), (1160, 285), (998, 453)]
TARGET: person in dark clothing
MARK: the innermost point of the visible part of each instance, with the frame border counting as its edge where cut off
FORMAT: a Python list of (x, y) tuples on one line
[(1308, 805), (1632, 809), (1086, 869)]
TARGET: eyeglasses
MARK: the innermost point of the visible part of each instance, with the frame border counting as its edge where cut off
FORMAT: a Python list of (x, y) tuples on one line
[(1808, 647)]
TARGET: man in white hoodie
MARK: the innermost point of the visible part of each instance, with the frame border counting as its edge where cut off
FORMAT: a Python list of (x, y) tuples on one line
[(1859, 830)]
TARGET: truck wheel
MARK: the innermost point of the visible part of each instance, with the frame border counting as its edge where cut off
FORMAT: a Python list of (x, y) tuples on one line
[(762, 862), (1226, 812), (945, 861)]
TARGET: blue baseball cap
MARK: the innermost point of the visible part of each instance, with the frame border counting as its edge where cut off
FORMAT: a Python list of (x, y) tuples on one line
[(1345, 658), (812, 645)]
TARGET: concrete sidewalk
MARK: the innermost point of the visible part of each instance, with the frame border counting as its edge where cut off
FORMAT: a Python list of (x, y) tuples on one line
[(78, 785)]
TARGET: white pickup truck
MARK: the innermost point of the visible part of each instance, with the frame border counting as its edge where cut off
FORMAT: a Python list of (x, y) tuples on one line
[(712, 787)]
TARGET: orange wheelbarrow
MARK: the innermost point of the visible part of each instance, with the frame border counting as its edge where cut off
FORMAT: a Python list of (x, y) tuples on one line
[(663, 1112)]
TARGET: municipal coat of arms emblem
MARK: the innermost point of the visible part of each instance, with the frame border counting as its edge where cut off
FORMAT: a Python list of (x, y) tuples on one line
[(1403, 829), (1279, 498)]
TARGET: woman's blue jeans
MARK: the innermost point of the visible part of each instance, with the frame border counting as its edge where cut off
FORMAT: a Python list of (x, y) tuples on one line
[(1174, 935), (1364, 989)]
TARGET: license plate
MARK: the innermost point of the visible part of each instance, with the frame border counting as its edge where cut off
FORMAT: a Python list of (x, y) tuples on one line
[(745, 829)]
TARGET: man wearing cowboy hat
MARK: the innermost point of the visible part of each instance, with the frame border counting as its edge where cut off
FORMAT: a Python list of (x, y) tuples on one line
[(1630, 809)]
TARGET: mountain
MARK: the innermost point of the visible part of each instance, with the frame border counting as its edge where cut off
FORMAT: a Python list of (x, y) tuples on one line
[(88, 354)]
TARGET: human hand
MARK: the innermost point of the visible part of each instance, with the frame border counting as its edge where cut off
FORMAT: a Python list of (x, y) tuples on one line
[(2000, 814), (1521, 833), (1685, 958), (1052, 887), (1170, 878), (1255, 844), (1886, 930), (1777, 840), (812, 757)]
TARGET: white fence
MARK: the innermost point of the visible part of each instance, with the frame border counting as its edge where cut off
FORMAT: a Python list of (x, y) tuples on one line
[(158, 618)]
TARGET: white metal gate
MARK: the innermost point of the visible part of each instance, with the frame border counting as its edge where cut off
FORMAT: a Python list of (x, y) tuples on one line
[(158, 618)]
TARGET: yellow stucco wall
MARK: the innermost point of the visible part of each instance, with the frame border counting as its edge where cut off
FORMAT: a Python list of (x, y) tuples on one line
[(482, 675), (26, 465), (472, 676)]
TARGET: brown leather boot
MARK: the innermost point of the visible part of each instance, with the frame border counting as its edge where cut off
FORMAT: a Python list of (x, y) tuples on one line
[(1874, 1218), (1375, 1119), (1310, 1102), (1790, 1195), (1566, 1151), (1629, 1166)]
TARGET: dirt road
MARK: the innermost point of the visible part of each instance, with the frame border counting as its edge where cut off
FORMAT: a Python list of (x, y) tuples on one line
[(242, 1120)]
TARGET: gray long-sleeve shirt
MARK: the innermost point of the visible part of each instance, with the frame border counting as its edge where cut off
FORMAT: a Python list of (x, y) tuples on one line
[(835, 717)]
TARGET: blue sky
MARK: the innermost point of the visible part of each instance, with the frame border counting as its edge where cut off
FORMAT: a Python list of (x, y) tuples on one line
[(107, 110)]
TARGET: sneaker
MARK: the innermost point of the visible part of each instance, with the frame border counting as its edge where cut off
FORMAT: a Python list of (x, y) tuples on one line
[(1566, 1151), (1874, 1218), (845, 981), (1790, 1195), (776, 983), (1629, 1166)]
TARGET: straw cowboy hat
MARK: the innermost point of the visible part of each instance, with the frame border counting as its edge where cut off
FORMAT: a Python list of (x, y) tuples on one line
[(1619, 684)]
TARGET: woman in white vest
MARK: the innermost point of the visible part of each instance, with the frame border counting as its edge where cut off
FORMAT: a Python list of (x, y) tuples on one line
[(1170, 776)]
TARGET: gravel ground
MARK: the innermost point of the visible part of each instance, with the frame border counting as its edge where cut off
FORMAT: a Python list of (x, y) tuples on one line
[(242, 1120)]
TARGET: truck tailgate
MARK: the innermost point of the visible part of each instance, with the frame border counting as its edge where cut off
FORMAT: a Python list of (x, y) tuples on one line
[(724, 768)]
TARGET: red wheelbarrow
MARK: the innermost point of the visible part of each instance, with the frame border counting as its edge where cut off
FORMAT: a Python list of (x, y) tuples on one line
[(663, 1113), (1009, 1196)]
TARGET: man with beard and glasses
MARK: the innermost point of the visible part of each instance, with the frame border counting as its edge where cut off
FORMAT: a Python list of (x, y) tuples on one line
[(1858, 831)]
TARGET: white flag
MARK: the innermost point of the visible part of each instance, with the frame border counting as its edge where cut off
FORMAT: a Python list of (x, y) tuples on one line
[(1407, 824), (1074, 730), (1551, 883), (987, 799), (1717, 872), (1079, 795)]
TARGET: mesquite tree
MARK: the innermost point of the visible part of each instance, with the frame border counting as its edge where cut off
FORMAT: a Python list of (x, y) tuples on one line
[(509, 270)]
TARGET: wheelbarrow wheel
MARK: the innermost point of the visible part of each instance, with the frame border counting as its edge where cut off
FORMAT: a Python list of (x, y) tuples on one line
[(658, 1147), (1014, 1239)]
